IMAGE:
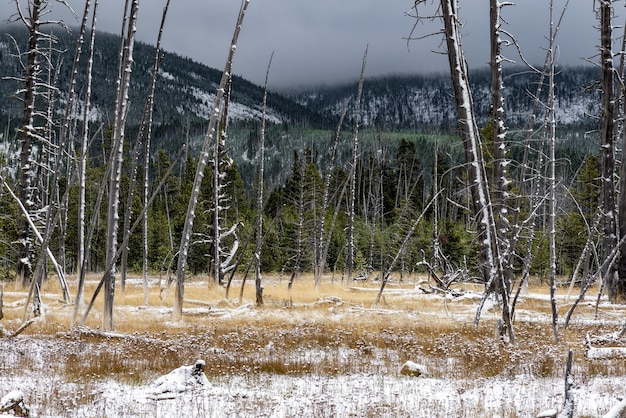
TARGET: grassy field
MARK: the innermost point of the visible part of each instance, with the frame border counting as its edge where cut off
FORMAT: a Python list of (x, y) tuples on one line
[(332, 333)]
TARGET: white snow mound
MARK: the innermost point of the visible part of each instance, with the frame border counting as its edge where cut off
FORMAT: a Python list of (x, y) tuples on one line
[(411, 368), (182, 379), (13, 402)]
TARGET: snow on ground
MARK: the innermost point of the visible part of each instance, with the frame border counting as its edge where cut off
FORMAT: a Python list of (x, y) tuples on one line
[(386, 393), (383, 392), (347, 396)]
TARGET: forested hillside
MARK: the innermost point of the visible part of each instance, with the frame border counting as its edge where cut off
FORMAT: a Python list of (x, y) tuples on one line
[(425, 102), (184, 91)]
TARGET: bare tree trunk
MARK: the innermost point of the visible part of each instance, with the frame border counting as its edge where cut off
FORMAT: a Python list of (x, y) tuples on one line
[(489, 247), (620, 285), (127, 38), (259, 196), (320, 260), (607, 146), (552, 177), (146, 162), (82, 171), (500, 181), (568, 395), (352, 197), (222, 261), (208, 140), (32, 133), (24, 242), (69, 124)]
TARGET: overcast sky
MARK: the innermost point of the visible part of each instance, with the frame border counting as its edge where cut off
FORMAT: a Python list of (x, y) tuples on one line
[(322, 41)]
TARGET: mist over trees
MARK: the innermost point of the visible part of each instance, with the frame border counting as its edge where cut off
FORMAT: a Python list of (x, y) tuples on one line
[(515, 177)]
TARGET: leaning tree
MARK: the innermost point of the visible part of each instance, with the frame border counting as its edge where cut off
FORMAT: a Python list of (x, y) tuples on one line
[(492, 245)]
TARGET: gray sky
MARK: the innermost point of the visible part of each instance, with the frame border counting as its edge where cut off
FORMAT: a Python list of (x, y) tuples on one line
[(322, 41)]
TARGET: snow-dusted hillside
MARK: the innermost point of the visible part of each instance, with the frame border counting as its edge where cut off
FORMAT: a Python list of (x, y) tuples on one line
[(184, 91), (426, 102)]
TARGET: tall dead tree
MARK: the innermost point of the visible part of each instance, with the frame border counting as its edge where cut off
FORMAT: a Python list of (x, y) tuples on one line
[(499, 179), (202, 162), (619, 288), (24, 246), (608, 120), (322, 249), (127, 40), (352, 195), (221, 163), (148, 137), (82, 169), (551, 119), (33, 19), (490, 252), (259, 196)]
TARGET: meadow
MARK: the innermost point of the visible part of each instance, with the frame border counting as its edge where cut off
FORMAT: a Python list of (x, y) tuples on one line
[(310, 352)]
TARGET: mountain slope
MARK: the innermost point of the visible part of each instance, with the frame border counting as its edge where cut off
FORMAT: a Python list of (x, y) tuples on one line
[(426, 102), (184, 92), (393, 107)]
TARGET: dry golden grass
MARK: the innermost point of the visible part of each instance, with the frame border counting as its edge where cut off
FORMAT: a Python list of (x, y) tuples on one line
[(331, 330)]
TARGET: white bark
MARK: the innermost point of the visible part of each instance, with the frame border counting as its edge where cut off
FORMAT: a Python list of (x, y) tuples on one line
[(117, 155), (352, 196), (322, 249), (146, 163), (259, 196), (195, 192), (552, 177)]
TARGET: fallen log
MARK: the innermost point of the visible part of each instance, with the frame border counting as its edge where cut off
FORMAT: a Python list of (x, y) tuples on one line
[(603, 353)]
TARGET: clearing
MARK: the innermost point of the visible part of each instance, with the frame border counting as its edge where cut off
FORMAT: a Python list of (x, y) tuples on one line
[(315, 353)]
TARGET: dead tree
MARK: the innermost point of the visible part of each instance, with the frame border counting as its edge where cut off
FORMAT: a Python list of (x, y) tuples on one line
[(202, 162), (608, 119), (535, 194), (490, 251), (321, 249), (568, 403), (33, 20), (499, 178), (258, 281), (352, 195), (618, 290), (82, 170), (127, 41), (221, 163), (142, 141)]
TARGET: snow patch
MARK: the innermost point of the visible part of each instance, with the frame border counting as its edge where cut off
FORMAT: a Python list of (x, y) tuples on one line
[(181, 379), (166, 75), (410, 368)]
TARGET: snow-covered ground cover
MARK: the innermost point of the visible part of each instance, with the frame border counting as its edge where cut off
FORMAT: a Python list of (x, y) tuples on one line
[(331, 356), (361, 395), (355, 396)]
